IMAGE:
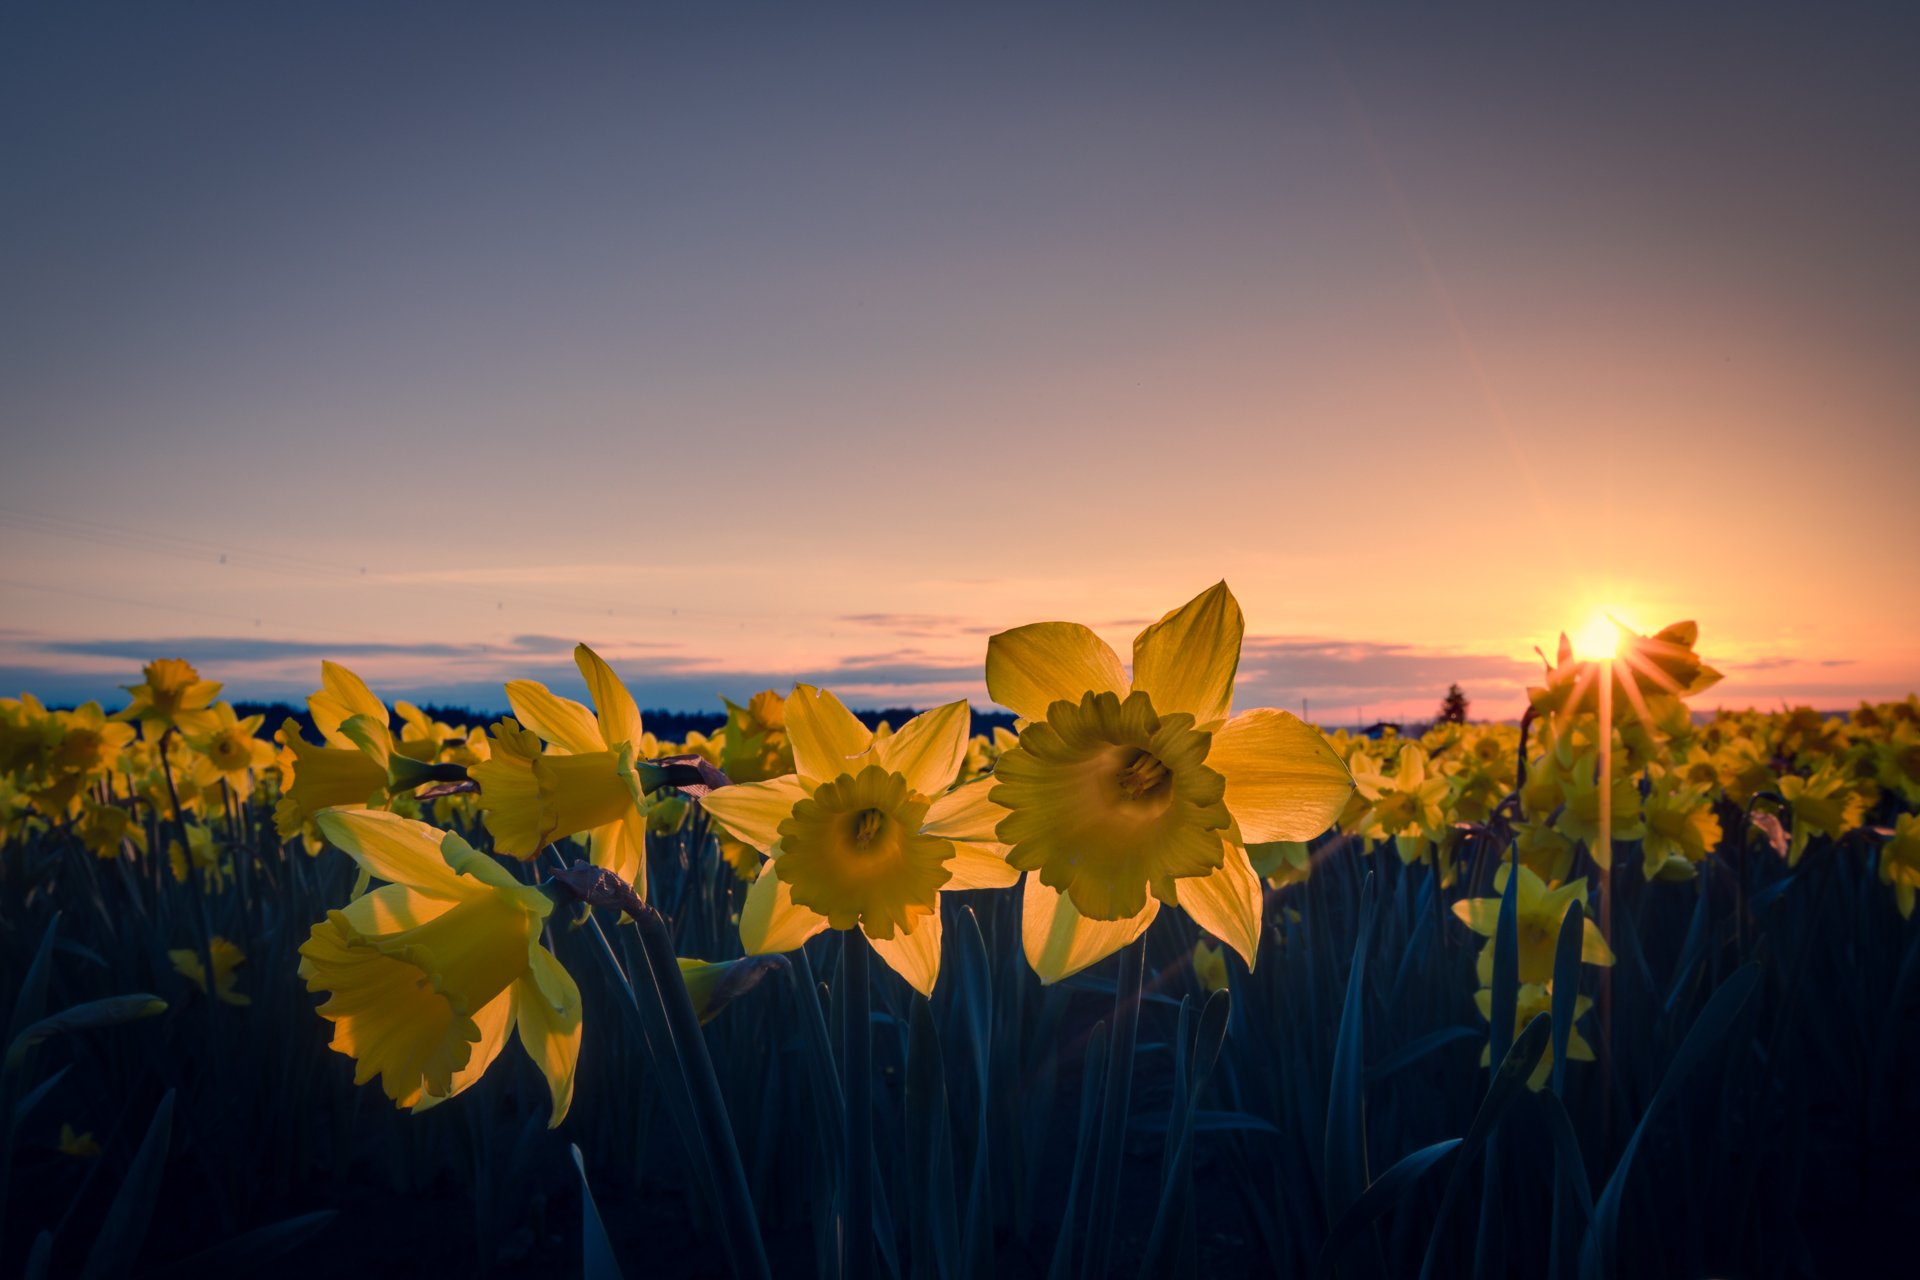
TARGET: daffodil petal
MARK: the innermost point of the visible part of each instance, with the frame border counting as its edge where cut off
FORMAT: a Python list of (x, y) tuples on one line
[(1029, 668), (391, 908), (495, 1021), (826, 737), (965, 813), (621, 847), (1479, 914), (1060, 942), (394, 848), (1284, 781), (771, 920), (1226, 902), (979, 865), (753, 811), (929, 749), (914, 956), (619, 718), (546, 1008), (342, 695), (1186, 661), (561, 721)]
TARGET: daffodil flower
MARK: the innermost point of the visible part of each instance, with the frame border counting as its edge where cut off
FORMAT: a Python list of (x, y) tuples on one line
[(1900, 861), (1534, 1000), (533, 796), (428, 974), (1821, 804), (1681, 828), (226, 958), (1538, 913), (1122, 795), (860, 835), (170, 697)]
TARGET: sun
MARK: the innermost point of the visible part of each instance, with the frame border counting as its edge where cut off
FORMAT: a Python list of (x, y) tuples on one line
[(1599, 639)]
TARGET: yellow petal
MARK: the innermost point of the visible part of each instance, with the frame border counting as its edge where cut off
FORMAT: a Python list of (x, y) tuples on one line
[(753, 811), (394, 848), (1060, 942), (495, 1020), (561, 721), (825, 735), (619, 718), (771, 920), (342, 695), (1593, 944), (980, 866), (1481, 915), (1029, 668), (1186, 661), (391, 908), (546, 1007), (1284, 782), (965, 813), (1226, 902), (914, 956), (929, 749), (621, 847)]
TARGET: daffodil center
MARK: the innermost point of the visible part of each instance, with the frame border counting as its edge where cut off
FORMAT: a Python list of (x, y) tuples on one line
[(867, 827), (1144, 777)]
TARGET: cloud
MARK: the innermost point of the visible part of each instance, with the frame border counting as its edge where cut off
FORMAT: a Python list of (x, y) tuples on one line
[(918, 625)]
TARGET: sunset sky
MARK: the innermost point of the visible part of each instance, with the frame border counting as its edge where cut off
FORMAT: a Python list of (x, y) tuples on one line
[(787, 342)]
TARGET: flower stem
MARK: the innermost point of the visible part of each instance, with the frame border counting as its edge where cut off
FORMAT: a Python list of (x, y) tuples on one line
[(1114, 1110), (857, 1061)]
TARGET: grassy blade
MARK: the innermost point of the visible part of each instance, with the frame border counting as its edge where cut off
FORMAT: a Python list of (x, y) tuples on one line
[(1598, 1257), (1566, 988), (242, 1254), (1346, 1145), (596, 1251), (1386, 1193), (1509, 1082), (933, 1211), (117, 1245)]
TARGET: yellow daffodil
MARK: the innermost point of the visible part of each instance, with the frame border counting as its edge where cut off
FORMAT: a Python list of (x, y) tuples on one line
[(1645, 670), (860, 835), (1210, 966), (533, 796), (230, 749), (226, 958), (1681, 828), (1900, 861), (325, 778), (427, 975), (1123, 794), (80, 1145), (1537, 999), (1579, 816), (1538, 912), (201, 853), (105, 830), (170, 697), (754, 746), (1821, 805), (1408, 806)]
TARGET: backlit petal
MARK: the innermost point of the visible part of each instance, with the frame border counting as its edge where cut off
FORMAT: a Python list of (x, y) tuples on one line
[(1226, 903), (546, 1008), (771, 920), (753, 811), (619, 718), (561, 721), (980, 866), (825, 735), (1029, 668), (914, 956), (1060, 942), (929, 748), (965, 813), (1284, 782), (396, 849), (1186, 661)]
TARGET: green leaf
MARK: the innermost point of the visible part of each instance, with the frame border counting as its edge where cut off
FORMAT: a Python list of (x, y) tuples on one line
[(1566, 987), (1346, 1142), (933, 1211), (1509, 1082), (245, 1252), (596, 1251), (1383, 1196), (1715, 1021), (117, 1246), (109, 1012)]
